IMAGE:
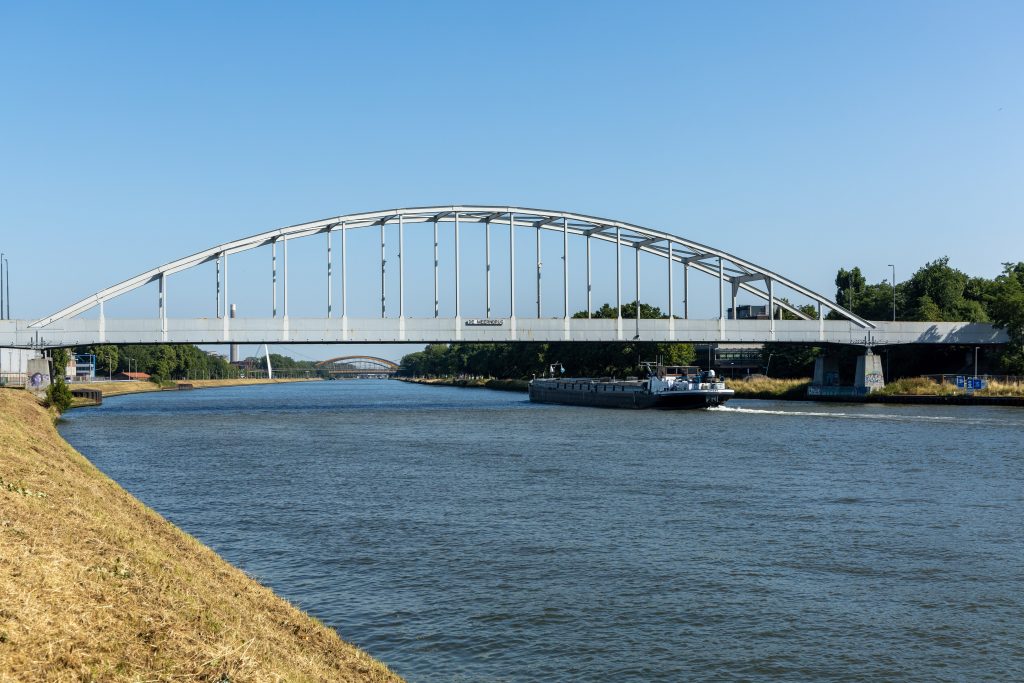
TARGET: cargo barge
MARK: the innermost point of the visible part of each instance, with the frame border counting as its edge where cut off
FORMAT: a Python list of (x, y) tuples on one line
[(671, 387)]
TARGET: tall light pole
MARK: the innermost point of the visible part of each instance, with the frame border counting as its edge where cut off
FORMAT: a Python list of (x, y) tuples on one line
[(893, 292), (1, 285), (7, 286)]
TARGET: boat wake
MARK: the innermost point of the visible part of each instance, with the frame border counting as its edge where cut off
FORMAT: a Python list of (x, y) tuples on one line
[(854, 416)]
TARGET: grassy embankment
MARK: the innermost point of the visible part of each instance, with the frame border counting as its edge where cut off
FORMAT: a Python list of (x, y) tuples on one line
[(925, 386), (95, 586), (796, 389), (479, 383), (120, 388), (769, 388)]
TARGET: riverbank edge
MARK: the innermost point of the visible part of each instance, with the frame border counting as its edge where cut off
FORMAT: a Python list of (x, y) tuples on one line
[(519, 385), (522, 385), (112, 389), (98, 586)]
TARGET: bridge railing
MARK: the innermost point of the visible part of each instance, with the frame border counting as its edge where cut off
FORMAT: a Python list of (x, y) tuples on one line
[(80, 332)]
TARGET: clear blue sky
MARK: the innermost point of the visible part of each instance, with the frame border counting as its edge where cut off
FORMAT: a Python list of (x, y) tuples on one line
[(803, 136)]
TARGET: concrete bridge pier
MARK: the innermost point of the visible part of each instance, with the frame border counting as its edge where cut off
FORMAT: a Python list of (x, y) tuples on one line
[(868, 378), (826, 372), (869, 375)]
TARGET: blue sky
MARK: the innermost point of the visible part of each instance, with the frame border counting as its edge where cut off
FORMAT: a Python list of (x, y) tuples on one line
[(802, 136)]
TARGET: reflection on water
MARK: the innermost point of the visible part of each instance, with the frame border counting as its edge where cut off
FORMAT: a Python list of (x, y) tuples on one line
[(468, 535)]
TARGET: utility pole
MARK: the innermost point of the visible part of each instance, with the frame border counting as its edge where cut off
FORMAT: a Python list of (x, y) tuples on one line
[(1, 285), (7, 269)]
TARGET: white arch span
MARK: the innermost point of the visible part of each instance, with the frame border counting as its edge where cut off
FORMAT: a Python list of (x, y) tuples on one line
[(740, 274)]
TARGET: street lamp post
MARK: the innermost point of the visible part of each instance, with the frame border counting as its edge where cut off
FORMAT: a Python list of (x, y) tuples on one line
[(893, 292), (1, 285), (7, 286), (975, 362)]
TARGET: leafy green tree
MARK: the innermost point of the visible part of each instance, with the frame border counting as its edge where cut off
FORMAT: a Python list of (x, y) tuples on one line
[(280, 362), (107, 357), (622, 358), (871, 301), (166, 362), (810, 310), (628, 312), (849, 283), (1006, 304), (163, 360), (59, 358), (936, 292), (58, 395), (940, 292)]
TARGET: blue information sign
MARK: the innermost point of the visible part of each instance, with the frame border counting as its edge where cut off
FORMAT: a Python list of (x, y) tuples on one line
[(969, 383)]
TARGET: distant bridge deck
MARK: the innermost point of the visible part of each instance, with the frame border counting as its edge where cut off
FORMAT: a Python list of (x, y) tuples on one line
[(81, 332)]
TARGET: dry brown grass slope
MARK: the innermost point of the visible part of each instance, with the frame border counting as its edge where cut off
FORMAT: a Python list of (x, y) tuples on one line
[(95, 586)]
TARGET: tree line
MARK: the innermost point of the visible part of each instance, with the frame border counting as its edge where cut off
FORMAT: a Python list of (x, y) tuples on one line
[(181, 361), (523, 360), (160, 361), (935, 292), (177, 361), (938, 292)]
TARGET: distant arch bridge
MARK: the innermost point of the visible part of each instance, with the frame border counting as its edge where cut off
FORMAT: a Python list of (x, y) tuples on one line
[(355, 366), (500, 317)]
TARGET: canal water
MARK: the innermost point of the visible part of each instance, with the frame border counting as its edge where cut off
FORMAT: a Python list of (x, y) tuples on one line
[(468, 535)]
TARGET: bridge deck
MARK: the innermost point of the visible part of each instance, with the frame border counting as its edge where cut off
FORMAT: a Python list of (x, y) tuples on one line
[(80, 332)]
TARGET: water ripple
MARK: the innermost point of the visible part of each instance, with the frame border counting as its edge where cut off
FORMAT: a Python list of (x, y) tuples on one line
[(469, 535)]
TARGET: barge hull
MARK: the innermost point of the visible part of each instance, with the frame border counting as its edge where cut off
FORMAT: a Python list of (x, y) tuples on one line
[(626, 399)]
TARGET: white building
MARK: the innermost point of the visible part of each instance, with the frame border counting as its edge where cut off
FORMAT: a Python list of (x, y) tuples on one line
[(14, 365)]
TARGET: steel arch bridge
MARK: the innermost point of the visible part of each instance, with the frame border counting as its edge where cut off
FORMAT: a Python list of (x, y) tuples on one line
[(353, 366), (679, 258)]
